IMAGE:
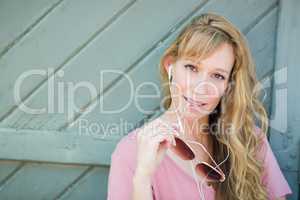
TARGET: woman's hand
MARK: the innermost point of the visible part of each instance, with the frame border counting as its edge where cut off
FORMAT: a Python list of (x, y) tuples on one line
[(153, 140)]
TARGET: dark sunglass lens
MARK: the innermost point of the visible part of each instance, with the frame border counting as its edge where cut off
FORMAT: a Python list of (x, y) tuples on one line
[(210, 173), (182, 150)]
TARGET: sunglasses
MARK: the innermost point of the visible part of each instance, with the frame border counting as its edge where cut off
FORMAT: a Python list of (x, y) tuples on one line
[(185, 150)]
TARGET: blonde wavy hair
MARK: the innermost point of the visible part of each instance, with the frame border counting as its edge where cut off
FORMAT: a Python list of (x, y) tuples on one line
[(239, 107)]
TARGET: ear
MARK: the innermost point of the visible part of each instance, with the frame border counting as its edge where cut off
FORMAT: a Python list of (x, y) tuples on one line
[(168, 61)]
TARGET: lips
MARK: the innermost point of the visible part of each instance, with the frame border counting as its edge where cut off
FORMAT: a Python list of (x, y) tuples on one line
[(198, 103)]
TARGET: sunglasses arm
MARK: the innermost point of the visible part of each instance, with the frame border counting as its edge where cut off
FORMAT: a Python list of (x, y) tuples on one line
[(203, 147)]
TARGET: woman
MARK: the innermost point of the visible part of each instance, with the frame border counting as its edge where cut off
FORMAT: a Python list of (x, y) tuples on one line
[(212, 100)]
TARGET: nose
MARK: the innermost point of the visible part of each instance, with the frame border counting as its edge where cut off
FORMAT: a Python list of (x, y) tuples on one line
[(204, 87)]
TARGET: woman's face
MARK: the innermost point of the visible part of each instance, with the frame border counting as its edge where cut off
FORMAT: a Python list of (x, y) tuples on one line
[(197, 86)]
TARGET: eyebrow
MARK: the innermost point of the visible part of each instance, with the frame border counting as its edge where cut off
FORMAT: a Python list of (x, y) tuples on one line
[(218, 69)]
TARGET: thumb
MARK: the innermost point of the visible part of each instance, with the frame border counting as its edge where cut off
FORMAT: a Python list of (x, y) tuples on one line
[(163, 146)]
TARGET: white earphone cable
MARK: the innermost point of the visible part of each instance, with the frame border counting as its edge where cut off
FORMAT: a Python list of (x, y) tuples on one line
[(199, 187)]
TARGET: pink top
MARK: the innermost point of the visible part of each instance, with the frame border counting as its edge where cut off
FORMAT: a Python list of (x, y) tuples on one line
[(172, 182)]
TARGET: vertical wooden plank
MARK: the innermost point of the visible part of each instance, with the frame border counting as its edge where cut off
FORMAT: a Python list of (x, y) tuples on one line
[(285, 117)]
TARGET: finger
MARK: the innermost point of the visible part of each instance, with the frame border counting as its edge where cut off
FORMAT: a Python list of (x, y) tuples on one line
[(162, 147), (165, 139), (171, 135), (172, 127), (174, 132), (146, 131), (161, 133)]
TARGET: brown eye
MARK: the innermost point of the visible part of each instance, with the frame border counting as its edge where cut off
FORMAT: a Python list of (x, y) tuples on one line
[(219, 76), (191, 67)]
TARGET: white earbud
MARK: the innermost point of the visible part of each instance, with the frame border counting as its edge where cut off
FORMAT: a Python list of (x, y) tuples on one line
[(170, 72)]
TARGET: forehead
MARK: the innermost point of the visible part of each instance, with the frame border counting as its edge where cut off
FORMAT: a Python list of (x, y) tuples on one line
[(222, 58)]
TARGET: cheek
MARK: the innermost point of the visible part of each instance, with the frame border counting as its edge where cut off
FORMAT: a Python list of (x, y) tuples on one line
[(219, 89), (216, 93), (180, 83)]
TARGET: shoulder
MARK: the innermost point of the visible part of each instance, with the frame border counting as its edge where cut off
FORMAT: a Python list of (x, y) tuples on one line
[(122, 167), (127, 142), (126, 149), (272, 177)]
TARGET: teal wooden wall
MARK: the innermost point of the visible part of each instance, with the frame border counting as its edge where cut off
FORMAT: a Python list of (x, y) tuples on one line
[(44, 155)]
